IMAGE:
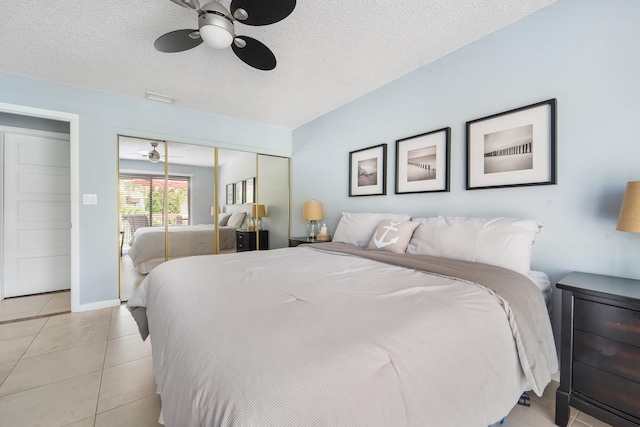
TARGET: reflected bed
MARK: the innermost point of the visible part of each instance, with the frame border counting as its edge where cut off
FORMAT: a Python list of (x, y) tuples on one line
[(147, 245)]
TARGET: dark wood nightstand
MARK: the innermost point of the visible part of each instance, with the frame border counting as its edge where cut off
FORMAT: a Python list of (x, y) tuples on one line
[(600, 349), (295, 241), (246, 240)]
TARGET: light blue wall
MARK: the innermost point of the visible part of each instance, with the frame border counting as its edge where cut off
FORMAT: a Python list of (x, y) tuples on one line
[(582, 52), (101, 117), (33, 123)]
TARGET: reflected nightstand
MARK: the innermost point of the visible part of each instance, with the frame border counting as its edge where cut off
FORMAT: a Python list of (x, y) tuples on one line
[(246, 240)]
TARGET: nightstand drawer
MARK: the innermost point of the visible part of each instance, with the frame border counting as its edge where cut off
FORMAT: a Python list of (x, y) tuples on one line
[(242, 242), (616, 323), (612, 390), (611, 356)]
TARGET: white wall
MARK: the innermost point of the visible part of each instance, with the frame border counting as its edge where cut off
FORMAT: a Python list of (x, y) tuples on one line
[(582, 52), (101, 118)]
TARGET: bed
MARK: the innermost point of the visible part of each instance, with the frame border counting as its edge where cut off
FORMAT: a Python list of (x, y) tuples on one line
[(147, 244), (338, 334)]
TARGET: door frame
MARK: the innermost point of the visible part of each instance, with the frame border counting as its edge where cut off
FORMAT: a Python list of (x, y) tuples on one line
[(74, 165)]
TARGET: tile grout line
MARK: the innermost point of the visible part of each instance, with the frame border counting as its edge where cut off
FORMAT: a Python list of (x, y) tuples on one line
[(104, 360), (48, 353), (20, 358), (38, 316), (62, 349)]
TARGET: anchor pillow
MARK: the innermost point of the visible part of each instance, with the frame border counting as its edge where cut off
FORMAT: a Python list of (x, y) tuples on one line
[(392, 236)]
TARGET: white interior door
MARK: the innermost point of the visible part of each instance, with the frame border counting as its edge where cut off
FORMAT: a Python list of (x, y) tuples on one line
[(36, 213)]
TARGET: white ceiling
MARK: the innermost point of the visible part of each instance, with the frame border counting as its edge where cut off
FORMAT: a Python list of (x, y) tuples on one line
[(329, 52)]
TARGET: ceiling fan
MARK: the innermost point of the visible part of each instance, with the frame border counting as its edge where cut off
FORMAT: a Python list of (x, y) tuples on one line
[(216, 29)]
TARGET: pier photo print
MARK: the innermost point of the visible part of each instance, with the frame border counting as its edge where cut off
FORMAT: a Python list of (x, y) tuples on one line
[(514, 148), (422, 162), (368, 171)]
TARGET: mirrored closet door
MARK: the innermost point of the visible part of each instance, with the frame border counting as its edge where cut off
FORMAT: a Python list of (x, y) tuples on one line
[(178, 200), (141, 199)]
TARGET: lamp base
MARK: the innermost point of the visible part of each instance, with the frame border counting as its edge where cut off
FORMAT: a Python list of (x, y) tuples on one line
[(312, 230)]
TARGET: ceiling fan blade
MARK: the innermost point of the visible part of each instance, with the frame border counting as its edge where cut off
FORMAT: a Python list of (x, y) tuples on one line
[(261, 12), (254, 53), (189, 4), (176, 41)]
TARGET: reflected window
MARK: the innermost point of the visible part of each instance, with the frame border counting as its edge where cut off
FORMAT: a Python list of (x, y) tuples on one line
[(142, 200)]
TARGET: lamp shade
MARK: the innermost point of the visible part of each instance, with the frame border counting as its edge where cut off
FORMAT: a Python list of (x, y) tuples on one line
[(312, 211), (258, 211), (629, 219)]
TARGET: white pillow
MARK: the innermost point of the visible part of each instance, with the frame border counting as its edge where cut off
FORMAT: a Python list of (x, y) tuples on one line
[(223, 218), (236, 219), (392, 236), (357, 228), (504, 242), (422, 235)]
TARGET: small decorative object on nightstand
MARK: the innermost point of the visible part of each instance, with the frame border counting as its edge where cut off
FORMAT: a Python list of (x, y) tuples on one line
[(323, 234), (246, 240), (600, 349)]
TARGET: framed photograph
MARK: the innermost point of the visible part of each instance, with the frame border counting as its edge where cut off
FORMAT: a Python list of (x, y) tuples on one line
[(422, 162), (513, 148), (239, 192), (368, 171), (230, 194), (250, 190)]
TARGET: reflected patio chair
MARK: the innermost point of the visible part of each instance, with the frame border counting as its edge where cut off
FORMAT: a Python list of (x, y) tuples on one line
[(135, 221)]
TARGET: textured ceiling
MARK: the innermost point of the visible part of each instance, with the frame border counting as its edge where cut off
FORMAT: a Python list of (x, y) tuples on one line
[(329, 52)]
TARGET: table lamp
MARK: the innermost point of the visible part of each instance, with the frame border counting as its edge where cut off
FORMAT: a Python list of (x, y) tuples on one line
[(312, 212), (629, 219), (257, 212)]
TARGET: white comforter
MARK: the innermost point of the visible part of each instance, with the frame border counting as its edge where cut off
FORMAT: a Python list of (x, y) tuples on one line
[(148, 243), (299, 337)]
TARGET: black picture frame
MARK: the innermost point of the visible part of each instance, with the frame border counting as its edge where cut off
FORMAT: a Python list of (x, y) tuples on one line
[(238, 193), (423, 162), (230, 194), (250, 190), (368, 171), (514, 148)]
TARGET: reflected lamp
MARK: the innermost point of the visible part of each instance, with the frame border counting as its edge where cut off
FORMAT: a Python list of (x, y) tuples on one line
[(258, 212)]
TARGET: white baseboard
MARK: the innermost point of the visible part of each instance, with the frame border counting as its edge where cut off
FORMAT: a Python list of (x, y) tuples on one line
[(97, 305)]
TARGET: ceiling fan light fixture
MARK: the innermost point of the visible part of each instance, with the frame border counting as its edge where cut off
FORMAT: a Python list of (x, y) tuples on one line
[(154, 156), (216, 28), (216, 37)]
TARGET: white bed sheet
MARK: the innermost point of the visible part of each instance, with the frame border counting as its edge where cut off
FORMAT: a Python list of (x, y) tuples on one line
[(295, 336)]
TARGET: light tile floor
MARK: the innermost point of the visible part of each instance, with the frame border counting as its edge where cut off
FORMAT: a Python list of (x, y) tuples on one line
[(92, 369), (35, 305)]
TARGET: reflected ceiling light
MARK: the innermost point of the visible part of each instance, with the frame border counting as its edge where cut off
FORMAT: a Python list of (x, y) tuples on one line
[(154, 156)]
